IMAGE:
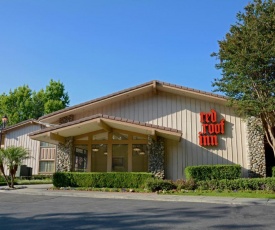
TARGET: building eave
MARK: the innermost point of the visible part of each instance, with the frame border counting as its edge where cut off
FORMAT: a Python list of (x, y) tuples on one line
[(152, 86), (98, 122)]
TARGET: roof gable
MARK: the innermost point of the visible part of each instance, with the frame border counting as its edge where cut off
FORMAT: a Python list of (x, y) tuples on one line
[(134, 91), (22, 124)]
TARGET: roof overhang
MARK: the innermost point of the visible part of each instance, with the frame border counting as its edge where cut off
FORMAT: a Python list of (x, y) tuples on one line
[(189, 92), (97, 122), (152, 86), (98, 102), (23, 123)]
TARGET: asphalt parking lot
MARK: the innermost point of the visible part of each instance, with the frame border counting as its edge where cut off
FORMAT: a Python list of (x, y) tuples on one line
[(87, 210)]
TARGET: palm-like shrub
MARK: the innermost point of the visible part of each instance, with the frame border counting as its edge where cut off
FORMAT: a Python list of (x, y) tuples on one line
[(12, 157)]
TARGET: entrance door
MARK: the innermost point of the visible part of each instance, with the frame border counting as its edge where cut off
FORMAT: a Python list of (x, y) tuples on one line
[(120, 158), (99, 158), (80, 161)]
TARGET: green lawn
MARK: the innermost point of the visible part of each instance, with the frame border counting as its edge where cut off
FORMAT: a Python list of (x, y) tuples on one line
[(228, 193), (240, 194), (26, 182)]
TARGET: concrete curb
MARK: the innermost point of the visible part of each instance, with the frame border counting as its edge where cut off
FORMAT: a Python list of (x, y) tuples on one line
[(45, 190)]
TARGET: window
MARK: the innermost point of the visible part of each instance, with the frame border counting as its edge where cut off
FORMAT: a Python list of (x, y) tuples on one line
[(47, 158), (100, 137), (139, 138), (80, 161), (46, 145), (120, 136), (118, 151), (120, 158), (99, 158), (46, 166), (140, 158)]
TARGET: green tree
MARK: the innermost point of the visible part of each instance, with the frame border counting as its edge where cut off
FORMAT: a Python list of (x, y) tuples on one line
[(38, 100), (17, 104), (12, 157), (22, 103), (55, 97), (247, 60)]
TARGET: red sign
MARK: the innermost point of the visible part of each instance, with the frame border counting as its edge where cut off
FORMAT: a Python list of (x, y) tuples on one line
[(210, 128)]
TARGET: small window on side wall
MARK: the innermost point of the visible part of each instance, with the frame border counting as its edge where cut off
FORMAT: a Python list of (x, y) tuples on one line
[(46, 167), (46, 145)]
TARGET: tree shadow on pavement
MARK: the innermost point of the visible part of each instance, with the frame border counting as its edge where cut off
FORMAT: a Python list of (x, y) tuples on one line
[(162, 217)]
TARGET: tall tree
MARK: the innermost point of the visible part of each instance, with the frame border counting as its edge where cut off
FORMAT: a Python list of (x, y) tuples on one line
[(17, 104), (22, 103), (55, 97), (247, 61), (38, 100)]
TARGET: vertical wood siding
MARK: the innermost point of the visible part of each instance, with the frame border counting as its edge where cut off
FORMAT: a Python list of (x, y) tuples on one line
[(183, 113), (47, 153), (19, 137)]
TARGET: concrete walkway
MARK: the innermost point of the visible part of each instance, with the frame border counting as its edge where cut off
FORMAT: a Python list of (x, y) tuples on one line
[(45, 190)]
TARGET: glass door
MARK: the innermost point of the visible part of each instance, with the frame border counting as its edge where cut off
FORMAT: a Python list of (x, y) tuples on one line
[(99, 158), (120, 158), (80, 161)]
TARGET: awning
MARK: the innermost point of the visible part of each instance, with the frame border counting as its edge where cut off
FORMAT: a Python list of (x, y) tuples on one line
[(97, 122)]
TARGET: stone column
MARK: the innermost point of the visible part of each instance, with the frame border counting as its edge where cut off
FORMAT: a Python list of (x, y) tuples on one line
[(256, 150), (156, 156), (64, 156)]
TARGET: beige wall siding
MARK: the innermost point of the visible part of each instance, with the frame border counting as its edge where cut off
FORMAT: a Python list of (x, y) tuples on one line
[(183, 113), (19, 137)]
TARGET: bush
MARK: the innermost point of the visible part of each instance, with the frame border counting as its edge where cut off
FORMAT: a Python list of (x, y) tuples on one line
[(41, 177), (36, 177), (36, 181), (210, 172), (100, 180), (267, 184), (2, 181), (273, 171), (61, 179), (154, 184), (185, 184)]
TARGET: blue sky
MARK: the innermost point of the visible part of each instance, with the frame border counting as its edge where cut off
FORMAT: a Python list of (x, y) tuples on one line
[(97, 47)]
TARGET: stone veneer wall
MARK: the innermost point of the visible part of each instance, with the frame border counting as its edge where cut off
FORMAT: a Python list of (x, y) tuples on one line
[(256, 150), (64, 156), (156, 156)]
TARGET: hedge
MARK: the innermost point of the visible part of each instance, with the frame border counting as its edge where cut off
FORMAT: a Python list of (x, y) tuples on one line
[(155, 184), (210, 172), (100, 180), (3, 181), (238, 184)]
